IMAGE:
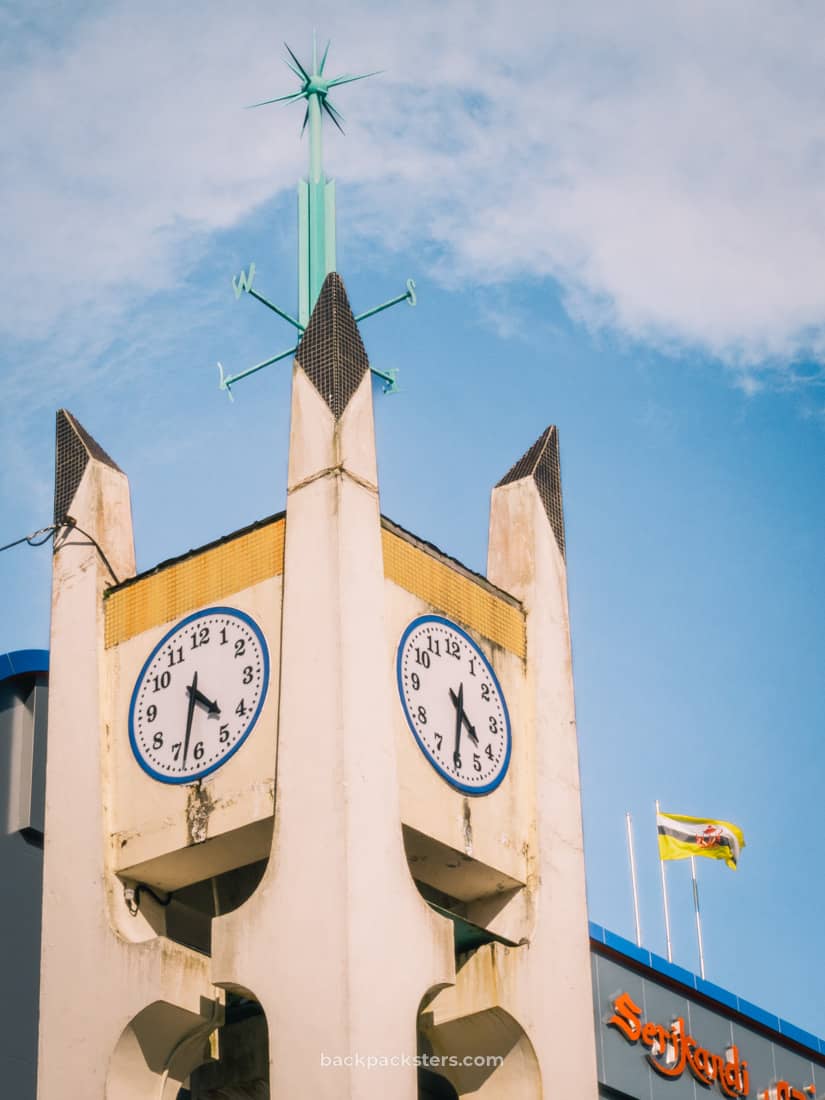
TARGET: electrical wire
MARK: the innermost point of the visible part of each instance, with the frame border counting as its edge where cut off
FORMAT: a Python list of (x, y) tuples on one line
[(36, 538), (67, 525), (131, 895), (144, 888), (71, 524)]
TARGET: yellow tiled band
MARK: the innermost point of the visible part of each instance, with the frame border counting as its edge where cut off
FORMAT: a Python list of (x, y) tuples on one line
[(456, 595), (216, 572), (206, 576)]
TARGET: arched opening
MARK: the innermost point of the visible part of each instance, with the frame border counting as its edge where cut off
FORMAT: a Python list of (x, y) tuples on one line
[(472, 1047), (158, 1050), (173, 1054), (240, 1070)]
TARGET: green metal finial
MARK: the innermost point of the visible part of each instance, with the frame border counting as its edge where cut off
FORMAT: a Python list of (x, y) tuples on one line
[(316, 218), (316, 195)]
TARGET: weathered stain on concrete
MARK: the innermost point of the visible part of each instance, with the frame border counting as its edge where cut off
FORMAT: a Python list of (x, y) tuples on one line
[(468, 828), (199, 807)]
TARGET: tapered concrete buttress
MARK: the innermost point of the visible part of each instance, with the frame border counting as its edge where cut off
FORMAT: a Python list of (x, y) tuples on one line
[(534, 999), (336, 944), (550, 984), (122, 1013)]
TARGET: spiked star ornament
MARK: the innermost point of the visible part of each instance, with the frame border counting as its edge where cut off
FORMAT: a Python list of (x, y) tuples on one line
[(317, 196), (315, 86)]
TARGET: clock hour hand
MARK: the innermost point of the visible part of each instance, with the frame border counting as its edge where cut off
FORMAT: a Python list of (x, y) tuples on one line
[(471, 730), (193, 691), (210, 704)]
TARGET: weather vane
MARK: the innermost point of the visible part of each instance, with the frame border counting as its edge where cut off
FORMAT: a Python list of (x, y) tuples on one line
[(316, 217)]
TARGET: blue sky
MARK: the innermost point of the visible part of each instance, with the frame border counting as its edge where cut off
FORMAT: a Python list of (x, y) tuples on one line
[(615, 220)]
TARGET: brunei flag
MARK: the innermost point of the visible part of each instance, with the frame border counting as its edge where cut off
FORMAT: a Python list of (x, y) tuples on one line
[(680, 837)]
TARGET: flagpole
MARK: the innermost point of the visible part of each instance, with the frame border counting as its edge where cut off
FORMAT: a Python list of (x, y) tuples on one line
[(664, 893), (632, 854), (698, 918)]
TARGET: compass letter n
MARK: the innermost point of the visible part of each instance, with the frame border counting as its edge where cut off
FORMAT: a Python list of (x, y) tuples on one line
[(243, 281)]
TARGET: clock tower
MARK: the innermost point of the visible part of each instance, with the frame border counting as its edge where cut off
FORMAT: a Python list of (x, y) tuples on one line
[(312, 821)]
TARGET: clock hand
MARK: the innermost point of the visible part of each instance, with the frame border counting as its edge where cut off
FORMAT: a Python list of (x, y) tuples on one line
[(193, 691), (210, 704), (471, 730), (458, 700)]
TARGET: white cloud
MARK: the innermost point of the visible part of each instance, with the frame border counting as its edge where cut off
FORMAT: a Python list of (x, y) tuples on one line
[(664, 165)]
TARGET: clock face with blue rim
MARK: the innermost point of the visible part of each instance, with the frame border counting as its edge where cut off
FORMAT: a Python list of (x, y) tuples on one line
[(454, 704), (198, 695)]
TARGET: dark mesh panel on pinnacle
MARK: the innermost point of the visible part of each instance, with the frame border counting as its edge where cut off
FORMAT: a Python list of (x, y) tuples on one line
[(541, 462), (331, 352), (73, 449)]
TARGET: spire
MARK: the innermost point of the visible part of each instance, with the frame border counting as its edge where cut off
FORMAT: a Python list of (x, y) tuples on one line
[(316, 194), (331, 352), (541, 462), (73, 449)]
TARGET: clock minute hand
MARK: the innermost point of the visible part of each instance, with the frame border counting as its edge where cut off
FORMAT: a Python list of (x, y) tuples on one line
[(458, 700), (471, 730), (193, 691)]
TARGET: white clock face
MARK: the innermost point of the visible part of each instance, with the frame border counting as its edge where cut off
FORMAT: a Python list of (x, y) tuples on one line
[(454, 704), (198, 695)]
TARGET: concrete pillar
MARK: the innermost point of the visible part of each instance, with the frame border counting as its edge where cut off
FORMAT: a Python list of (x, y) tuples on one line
[(336, 944), (97, 977)]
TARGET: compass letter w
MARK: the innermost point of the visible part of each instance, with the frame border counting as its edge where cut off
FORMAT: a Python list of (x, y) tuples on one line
[(243, 281)]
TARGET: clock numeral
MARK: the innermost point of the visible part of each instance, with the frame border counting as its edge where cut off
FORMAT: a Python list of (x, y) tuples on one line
[(457, 761), (472, 666), (422, 659), (493, 724), (161, 682), (439, 739), (433, 646), (157, 740), (241, 708), (422, 715), (224, 638), (485, 692), (198, 751), (415, 680), (452, 648), (223, 735), (151, 712), (240, 647), (176, 749), (476, 762), (175, 656), (200, 637), (247, 674), (489, 751)]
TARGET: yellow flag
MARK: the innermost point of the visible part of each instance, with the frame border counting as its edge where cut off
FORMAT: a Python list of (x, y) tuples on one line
[(680, 837)]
